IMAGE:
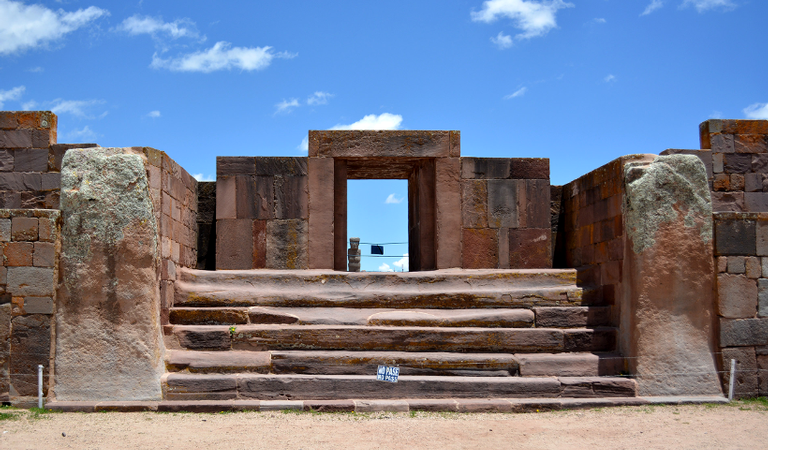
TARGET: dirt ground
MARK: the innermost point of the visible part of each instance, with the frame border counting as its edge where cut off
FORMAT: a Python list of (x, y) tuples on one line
[(738, 425)]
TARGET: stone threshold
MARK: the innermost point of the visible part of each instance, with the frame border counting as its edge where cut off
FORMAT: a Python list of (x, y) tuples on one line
[(464, 405)]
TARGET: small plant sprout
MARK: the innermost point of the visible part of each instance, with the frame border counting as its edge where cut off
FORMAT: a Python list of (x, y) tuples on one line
[(232, 330)]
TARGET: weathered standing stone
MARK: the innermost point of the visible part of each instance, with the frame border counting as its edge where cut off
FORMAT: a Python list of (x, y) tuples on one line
[(667, 304), (287, 244), (109, 343)]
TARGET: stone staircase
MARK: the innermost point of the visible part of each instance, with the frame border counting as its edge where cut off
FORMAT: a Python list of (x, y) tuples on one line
[(455, 334)]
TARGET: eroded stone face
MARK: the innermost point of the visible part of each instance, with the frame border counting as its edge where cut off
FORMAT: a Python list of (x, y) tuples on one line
[(109, 344)]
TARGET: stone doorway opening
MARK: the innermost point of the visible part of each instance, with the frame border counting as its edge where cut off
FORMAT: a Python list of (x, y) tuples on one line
[(377, 213), (420, 197)]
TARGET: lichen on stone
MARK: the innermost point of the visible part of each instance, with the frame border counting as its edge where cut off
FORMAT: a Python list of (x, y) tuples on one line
[(104, 191), (657, 193)]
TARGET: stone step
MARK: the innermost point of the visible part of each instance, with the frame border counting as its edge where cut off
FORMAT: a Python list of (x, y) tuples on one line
[(410, 363), (442, 289), (383, 338), (180, 386), (544, 317)]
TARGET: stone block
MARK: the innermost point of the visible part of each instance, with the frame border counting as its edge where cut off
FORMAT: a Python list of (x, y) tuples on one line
[(234, 244), (502, 202), (763, 373), (226, 197), (480, 248), (38, 305), (717, 163), (753, 182), (737, 163), (448, 212), (51, 181), (537, 197), (42, 138), (762, 238), (455, 143), (762, 297), (527, 168), (265, 197), (529, 248), (6, 160), (5, 230), (750, 143), (384, 143), (474, 204), (756, 202), (485, 168), (24, 228), (753, 267), (743, 332), (321, 177), (281, 166), (235, 165), (12, 181), (287, 244), (735, 237), (727, 201), (738, 296), (764, 266), (245, 197), (20, 138), (737, 182), (722, 143), (259, 244), (291, 197), (30, 347), (760, 163), (18, 254), (44, 254), (722, 264), (722, 182), (736, 264), (31, 160)]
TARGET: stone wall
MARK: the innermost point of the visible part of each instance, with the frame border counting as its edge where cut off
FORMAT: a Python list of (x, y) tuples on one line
[(30, 160), (262, 213), (592, 222), (736, 153), (173, 192), (505, 213), (29, 242)]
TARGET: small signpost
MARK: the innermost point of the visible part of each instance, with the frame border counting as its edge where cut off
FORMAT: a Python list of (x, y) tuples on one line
[(388, 373)]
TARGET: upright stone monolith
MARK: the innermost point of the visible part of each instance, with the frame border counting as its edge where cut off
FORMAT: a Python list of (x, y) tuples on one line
[(109, 344), (667, 304)]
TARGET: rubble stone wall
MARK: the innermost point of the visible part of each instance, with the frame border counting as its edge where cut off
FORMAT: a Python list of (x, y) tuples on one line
[(30, 242)]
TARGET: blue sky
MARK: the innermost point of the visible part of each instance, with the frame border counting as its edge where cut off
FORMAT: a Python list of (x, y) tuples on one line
[(579, 82)]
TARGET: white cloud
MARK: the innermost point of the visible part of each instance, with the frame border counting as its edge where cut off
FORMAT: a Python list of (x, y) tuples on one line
[(609, 78), (286, 106), (202, 177), (716, 115), (28, 26), (319, 98), (654, 5), (154, 114), (220, 57), (303, 147), (385, 121), (599, 20), (518, 93), (36, 69), (84, 135), (392, 199), (77, 108), (705, 5), (533, 18), (11, 94), (503, 41), (156, 27), (757, 111), (384, 268), (402, 263)]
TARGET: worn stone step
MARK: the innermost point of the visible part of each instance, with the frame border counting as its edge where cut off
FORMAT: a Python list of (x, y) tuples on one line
[(492, 318), (545, 317), (382, 338), (179, 386), (443, 289), (410, 363)]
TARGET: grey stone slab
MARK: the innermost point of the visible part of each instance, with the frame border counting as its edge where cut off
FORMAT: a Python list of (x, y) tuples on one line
[(762, 238), (743, 332), (736, 264), (756, 201), (30, 281), (485, 167), (38, 305), (762, 297), (502, 202), (735, 237), (281, 166)]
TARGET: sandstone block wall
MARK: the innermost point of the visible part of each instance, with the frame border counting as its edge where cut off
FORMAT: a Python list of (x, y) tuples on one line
[(735, 153), (173, 192), (505, 213), (30, 242), (262, 213), (591, 217), (30, 160)]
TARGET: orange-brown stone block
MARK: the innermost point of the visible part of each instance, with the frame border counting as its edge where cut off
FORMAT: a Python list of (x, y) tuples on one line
[(529, 248), (480, 247)]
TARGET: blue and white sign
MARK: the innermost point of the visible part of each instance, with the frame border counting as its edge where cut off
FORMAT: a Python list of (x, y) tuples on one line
[(388, 373)]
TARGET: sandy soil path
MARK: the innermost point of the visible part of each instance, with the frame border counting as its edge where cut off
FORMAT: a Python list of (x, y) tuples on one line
[(739, 425)]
